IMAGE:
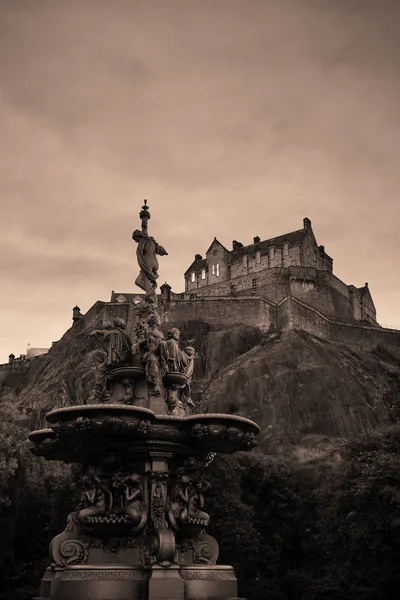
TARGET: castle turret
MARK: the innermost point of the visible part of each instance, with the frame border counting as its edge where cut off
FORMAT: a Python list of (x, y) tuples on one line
[(165, 290), (76, 314), (11, 358)]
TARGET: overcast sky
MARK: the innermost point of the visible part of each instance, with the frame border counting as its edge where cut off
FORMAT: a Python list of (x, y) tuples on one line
[(234, 118)]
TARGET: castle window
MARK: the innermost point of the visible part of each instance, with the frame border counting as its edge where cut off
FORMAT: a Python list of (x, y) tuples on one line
[(244, 260), (254, 285), (203, 273), (315, 256), (286, 248), (308, 251), (217, 269), (232, 289), (258, 257), (213, 270), (193, 277), (271, 253)]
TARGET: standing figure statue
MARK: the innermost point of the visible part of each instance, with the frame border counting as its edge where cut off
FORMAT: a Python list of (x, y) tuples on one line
[(178, 398), (117, 354), (154, 354), (185, 393), (146, 253)]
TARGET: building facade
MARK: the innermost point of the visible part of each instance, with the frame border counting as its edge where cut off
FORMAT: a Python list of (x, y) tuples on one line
[(292, 264)]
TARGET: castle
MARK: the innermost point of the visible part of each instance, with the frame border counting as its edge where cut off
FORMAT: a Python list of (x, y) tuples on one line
[(278, 284), (291, 264)]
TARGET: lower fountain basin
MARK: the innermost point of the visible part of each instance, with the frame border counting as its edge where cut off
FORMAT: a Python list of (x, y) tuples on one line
[(89, 433)]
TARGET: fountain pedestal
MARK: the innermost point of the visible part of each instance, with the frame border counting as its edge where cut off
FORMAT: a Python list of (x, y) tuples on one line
[(140, 532)]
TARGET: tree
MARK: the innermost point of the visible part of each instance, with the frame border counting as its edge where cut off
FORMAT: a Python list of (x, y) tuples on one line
[(359, 518)]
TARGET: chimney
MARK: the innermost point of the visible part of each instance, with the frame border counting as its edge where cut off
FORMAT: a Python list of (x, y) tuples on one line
[(306, 223), (198, 257), (11, 358), (321, 249), (236, 245), (256, 240)]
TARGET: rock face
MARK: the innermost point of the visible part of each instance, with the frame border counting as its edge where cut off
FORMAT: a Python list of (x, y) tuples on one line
[(303, 391)]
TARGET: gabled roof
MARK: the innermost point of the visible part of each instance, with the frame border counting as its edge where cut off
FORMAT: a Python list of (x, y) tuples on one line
[(116, 297), (197, 264), (364, 291), (214, 243)]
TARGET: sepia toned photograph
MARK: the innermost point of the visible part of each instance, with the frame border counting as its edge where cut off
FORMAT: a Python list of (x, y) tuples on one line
[(199, 308)]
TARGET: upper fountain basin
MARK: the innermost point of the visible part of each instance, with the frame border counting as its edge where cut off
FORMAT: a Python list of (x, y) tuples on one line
[(91, 432)]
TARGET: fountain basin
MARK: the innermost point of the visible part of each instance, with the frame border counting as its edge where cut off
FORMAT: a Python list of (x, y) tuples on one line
[(82, 433)]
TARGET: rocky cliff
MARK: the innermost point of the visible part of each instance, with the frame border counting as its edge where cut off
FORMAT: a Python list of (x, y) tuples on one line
[(306, 393)]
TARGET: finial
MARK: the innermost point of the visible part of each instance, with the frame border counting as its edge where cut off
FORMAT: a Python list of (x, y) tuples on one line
[(145, 216)]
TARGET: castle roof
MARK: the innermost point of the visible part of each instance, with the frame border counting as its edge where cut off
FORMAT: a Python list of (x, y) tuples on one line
[(294, 237), (216, 242), (118, 297), (199, 264)]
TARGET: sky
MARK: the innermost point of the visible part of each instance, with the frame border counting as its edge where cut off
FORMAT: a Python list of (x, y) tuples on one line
[(234, 118)]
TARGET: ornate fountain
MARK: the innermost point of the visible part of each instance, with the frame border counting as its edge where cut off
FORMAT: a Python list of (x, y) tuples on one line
[(140, 531)]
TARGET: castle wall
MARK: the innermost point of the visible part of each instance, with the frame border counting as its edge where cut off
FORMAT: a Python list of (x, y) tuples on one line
[(308, 318), (115, 310), (220, 312), (321, 289)]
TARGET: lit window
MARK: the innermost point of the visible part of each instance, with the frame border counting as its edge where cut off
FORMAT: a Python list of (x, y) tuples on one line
[(193, 277), (213, 270), (308, 251), (315, 256), (258, 257), (203, 273), (244, 260), (286, 248), (271, 253), (217, 269)]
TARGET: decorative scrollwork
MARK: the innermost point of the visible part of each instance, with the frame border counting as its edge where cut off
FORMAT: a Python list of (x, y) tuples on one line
[(206, 549)]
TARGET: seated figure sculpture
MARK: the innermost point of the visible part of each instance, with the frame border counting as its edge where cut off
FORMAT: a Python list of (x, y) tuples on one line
[(117, 354)]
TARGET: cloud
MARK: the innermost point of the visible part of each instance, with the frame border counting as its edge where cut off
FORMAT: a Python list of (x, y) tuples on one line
[(234, 118)]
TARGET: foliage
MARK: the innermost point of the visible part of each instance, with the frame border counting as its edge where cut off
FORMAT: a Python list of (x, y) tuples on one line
[(360, 513), (34, 498), (293, 531)]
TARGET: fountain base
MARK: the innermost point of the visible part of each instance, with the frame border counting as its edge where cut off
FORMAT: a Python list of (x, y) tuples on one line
[(121, 582)]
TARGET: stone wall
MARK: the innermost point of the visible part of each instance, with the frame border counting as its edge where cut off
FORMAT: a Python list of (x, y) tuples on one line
[(221, 312), (307, 318), (320, 289)]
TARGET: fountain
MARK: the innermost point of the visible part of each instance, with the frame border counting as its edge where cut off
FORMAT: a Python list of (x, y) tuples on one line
[(140, 531)]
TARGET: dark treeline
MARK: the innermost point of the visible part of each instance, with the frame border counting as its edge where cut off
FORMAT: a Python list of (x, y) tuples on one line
[(293, 531)]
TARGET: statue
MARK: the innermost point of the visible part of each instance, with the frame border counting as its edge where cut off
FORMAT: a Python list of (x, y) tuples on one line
[(118, 354), (178, 361), (99, 498), (134, 505), (185, 511), (185, 394), (146, 253), (178, 396), (154, 353)]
